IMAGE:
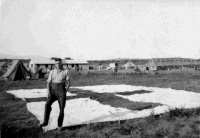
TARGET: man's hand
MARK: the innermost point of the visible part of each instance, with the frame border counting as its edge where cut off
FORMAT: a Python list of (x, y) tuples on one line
[(48, 90), (49, 94)]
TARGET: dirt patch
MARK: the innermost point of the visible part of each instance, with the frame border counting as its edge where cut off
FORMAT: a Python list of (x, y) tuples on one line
[(134, 92)]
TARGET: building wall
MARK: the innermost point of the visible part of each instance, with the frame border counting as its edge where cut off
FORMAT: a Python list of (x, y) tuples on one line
[(153, 68), (146, 69), (84, 67), (35, 67)]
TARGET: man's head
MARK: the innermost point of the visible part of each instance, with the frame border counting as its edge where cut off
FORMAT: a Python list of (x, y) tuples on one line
[(58, 63)]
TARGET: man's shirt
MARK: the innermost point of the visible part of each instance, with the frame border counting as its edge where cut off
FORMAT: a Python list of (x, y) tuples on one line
[(58, 76)]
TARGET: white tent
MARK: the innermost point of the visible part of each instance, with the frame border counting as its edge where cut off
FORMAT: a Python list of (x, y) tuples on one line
[(129, 65)]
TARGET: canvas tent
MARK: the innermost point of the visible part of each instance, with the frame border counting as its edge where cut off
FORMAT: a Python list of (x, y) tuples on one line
[(17, 71), (3, 66), (129, 65), (152, 65)]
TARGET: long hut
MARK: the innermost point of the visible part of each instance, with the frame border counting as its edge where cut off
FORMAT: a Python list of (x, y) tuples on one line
[(48, 64), (171, 63)]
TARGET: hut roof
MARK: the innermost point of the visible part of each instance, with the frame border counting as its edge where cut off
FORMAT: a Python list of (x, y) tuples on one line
[(172, 62)]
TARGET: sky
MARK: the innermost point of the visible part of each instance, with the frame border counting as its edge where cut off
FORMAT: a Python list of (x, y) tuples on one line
[(101, 29)]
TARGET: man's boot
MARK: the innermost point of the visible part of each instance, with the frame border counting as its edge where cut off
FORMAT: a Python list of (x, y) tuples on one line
[(46, 117)]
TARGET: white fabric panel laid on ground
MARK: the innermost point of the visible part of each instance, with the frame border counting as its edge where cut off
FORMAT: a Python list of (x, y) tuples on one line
[(84, 110), (114, 88), (169, 97), (166, 96)]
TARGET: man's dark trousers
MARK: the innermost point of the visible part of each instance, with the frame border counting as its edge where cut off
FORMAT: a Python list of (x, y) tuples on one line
[(57, 92)]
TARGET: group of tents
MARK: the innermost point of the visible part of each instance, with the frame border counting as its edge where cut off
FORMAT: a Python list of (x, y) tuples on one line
[(17, 71), (128, 65)]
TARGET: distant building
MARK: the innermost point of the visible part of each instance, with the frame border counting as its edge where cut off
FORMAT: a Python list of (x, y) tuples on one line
[(48, 64), (171, 63), (83, 65), (36, 64)]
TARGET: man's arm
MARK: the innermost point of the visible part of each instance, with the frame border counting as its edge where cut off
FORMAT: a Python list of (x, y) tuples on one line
[(48, 87), (67, 83), (49, 83)]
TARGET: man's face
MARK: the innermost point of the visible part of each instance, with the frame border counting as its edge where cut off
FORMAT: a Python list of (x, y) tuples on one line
[(58, 64)]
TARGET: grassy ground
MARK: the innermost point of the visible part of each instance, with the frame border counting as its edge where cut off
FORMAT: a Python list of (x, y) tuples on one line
[(16, 121)]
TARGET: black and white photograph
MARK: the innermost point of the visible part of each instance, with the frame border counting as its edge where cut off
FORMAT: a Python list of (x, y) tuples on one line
[(100, 69)]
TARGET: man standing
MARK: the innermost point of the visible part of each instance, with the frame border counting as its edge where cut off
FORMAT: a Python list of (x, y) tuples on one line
[(57, 86), (116, 68)]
